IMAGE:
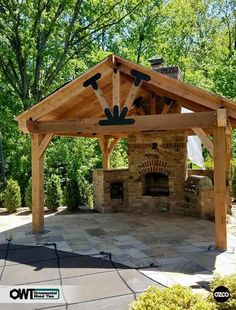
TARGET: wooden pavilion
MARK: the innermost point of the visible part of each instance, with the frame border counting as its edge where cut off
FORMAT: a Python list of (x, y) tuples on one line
[(104, 103)]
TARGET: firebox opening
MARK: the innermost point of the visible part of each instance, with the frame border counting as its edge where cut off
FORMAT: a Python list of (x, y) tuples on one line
[(116, 190), (156, 184)]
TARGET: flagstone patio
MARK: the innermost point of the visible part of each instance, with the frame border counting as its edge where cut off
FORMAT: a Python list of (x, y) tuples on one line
[(165, 249)]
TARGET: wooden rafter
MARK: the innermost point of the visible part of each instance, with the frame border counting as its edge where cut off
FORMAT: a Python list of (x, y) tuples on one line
[(101, 98), (131, 96), (165, 109)]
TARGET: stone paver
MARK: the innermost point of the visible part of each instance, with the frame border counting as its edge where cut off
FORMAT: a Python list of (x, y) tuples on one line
[(180, 248)]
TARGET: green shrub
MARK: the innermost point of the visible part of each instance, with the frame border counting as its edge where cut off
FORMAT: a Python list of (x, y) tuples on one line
[(12, 196), (230, 283), (71, 195), (176, 297), (53, 197), (28, 195), (78, 193), (85, 193)]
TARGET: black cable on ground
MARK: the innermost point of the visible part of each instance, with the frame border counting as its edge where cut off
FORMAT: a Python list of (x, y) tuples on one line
[(59, 271), (5, 258), (109, 255)]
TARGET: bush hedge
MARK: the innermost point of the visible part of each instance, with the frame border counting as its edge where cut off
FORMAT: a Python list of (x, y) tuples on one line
[(12, 196), (78, 192), (71, 195), (53, 194), (178, 297)]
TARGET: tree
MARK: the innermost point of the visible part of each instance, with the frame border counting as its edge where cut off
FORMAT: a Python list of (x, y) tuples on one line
[(2, 168), (40, 38), (53, 195)]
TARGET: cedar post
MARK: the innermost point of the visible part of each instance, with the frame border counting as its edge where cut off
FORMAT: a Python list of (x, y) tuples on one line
[(107, 145), (228, 168), (39, 144), (220, 197), (103, 142)]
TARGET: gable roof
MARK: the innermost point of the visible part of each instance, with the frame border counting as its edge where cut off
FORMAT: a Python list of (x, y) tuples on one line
[(74, 101)]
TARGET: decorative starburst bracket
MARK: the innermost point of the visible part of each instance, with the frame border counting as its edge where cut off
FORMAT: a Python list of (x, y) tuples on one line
[(118, 115)]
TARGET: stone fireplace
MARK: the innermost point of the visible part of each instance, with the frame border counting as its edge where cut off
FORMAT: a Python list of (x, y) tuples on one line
[(157, 169), (155, 179)]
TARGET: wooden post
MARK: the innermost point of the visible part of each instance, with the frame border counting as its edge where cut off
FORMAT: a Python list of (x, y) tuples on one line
[(107, 146), (228, 169), (103, 142), (220, 200), (228, 156), (39, 145)]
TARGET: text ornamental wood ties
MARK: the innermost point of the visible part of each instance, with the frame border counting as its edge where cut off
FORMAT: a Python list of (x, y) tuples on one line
[(117, 116)]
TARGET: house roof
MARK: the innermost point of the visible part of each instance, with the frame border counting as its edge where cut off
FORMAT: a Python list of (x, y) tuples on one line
[(74, 101)]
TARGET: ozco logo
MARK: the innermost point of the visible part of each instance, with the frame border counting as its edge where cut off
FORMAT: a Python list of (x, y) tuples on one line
[(22, 293), (221, 294)]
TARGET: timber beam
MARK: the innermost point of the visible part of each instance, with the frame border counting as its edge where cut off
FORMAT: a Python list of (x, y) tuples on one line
[(204, 139), (141, 123)]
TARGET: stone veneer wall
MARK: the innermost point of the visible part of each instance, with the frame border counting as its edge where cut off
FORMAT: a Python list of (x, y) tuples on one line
[(157, 152), (102, 180), (201, 203)]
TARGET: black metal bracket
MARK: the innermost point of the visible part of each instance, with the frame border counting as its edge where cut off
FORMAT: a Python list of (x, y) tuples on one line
[(138, 102), (117, 118), (139, 76), (93, 81)]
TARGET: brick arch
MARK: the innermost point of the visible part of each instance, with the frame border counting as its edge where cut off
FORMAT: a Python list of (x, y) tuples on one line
[(153, 165)]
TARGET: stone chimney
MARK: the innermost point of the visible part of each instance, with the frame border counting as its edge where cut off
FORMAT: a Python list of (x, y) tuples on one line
[(157, 64)]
